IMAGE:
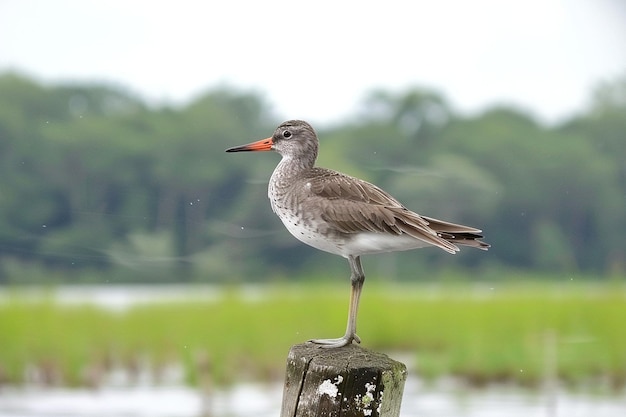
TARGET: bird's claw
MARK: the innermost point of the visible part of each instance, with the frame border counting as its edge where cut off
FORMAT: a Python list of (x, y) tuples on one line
[(336, 343)]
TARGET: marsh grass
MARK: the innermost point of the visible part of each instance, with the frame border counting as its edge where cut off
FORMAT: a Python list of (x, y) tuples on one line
[(478, 332)]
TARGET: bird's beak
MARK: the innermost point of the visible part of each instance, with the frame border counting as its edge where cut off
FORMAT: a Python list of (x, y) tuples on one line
[(260, 145)]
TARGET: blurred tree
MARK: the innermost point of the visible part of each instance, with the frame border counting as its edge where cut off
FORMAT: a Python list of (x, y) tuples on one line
[(91, 177), (603, 128), (418, 113)]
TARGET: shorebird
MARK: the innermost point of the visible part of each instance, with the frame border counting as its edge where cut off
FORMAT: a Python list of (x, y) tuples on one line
[(340, 214)]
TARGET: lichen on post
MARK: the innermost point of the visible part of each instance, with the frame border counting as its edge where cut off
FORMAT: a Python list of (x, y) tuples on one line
[(350, 381)]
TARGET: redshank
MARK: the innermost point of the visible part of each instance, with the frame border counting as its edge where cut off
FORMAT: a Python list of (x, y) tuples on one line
[(344, 215)]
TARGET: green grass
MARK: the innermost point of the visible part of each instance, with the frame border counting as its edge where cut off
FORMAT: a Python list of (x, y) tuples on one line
[(483, 334)]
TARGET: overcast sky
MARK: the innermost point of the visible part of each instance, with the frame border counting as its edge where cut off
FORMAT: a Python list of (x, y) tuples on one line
[(316, 60)]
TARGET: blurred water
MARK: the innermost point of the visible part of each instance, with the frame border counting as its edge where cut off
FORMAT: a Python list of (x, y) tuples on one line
[(258, 400), (119, 297)]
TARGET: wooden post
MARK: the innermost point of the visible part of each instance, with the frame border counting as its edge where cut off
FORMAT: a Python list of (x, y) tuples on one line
[(350, 381)]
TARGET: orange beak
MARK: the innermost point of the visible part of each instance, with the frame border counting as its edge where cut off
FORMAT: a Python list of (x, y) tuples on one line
[(260, 145)]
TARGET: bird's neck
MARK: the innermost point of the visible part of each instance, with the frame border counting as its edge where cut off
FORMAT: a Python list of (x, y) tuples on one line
[(290, 167)]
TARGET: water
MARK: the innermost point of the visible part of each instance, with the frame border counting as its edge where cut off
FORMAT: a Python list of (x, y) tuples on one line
[(120, 297), (260, 400)]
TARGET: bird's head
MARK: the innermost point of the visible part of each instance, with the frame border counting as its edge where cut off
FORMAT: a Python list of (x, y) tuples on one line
[(294, 139)]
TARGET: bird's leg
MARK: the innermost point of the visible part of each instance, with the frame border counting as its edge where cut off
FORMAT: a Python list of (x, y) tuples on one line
[(357, 278)]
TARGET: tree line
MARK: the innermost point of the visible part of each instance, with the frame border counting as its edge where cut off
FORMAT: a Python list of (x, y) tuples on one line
[(96, 184)]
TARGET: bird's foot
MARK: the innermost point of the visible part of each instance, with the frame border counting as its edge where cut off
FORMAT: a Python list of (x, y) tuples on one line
[(338, 342)]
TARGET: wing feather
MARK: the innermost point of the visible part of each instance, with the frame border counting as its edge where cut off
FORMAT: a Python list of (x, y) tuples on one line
[(365, 207)]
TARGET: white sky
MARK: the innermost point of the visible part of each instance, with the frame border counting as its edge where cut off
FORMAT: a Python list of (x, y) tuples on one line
[(316, 60)]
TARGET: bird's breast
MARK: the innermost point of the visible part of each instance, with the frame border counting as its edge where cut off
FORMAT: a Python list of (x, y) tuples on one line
[(301, 218)]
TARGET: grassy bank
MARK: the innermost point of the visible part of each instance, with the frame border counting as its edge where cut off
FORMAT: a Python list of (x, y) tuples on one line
[(481, 333)]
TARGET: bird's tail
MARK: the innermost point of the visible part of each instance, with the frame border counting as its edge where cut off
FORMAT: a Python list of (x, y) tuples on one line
[(457, 234)]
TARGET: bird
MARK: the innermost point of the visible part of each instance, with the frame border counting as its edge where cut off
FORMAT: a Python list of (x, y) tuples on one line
[(344, 215)]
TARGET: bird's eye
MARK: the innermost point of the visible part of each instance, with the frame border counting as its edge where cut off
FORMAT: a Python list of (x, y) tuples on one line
[(286, 134)]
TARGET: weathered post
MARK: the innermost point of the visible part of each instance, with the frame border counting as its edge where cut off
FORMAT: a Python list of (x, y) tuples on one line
[(350, 381)]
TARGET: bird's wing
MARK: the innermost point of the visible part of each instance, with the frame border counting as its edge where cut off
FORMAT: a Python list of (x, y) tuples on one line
[(334, 185), (350, 205)]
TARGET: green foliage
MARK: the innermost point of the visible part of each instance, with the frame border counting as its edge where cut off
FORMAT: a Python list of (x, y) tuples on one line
[(482, 333), (89, 175)]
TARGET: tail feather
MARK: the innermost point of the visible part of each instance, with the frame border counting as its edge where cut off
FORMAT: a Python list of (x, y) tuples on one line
[(457, 233)]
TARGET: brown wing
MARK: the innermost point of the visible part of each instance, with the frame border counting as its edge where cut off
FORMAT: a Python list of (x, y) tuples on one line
[(350, 205)]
